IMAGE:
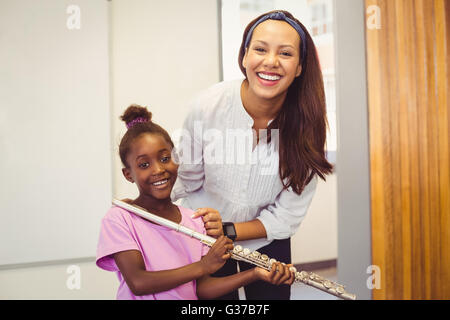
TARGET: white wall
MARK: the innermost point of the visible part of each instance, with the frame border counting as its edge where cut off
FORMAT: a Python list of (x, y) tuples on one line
[(162, 54), (316, 239), (50, 282), (54, 128)]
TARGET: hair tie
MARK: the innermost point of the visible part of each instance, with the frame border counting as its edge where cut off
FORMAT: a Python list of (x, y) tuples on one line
[(280, 16), (136, 121)]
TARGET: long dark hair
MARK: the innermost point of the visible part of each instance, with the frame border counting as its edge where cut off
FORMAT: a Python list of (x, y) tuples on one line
[(302, 121)]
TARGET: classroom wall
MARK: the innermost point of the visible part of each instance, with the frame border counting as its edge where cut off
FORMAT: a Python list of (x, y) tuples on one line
[(72, 280), (316, 239), (55, 164), (160, 58)]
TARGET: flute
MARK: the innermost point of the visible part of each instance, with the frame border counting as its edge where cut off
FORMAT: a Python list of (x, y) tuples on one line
[(243, 254)]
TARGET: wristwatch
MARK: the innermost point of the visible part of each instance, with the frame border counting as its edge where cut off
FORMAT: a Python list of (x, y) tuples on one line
[(229, 230)]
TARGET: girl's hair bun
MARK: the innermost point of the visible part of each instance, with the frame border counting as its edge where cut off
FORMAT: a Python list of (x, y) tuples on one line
[(139, 121), (136, 113)]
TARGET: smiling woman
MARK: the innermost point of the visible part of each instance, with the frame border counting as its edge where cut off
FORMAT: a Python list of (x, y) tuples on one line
[(282, 93), (273, 55), (271, 62)]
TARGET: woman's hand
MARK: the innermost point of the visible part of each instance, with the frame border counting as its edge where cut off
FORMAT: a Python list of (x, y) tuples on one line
[(217, 255), (278, 274), (212, 221)]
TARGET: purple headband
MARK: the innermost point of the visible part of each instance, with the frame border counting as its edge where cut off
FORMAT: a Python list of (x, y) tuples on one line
[(280, 16), (135, 121)]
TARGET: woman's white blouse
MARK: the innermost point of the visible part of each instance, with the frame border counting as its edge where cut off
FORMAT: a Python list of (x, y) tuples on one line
[(221, 168)]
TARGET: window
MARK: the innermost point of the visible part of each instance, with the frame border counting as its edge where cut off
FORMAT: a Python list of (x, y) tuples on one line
[(321, 19)]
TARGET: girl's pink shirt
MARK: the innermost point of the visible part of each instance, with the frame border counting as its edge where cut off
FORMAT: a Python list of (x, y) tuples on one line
[(161, 249)]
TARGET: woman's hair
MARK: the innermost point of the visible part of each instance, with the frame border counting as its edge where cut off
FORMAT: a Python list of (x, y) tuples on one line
[(302, 120), (138, 121)]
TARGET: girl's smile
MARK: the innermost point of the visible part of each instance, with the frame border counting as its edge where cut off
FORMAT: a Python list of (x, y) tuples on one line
[(151, 167), (161, 184)]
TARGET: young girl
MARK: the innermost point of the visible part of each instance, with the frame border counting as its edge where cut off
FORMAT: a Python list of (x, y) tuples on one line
[(282, 91), (153, 261)]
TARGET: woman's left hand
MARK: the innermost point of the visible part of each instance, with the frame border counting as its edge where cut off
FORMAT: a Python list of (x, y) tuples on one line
[(212, 221)]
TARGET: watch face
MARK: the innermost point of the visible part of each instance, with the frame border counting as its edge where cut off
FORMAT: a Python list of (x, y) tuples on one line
[(230, 231)]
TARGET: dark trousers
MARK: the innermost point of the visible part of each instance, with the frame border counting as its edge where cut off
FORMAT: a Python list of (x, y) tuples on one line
[(260, 290)]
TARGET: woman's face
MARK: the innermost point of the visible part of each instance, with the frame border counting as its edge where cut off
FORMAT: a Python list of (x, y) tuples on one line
[(272, 59), (151, 166)]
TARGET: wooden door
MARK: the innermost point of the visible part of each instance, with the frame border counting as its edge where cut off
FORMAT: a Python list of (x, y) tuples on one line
[(408, 59)]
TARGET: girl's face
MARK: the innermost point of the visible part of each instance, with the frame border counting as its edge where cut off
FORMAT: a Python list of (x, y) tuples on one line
[(272, 59), (151, 167)]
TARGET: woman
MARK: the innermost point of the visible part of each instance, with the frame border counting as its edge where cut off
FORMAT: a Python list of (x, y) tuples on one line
[(263, 189)]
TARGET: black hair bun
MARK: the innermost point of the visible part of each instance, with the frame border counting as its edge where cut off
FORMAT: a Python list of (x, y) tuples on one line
[(134, 112)]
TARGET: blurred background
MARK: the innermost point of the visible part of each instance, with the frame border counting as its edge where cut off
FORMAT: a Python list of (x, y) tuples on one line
[(380, 224)]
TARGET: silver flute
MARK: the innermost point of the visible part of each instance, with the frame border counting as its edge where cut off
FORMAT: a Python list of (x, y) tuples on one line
[(243, 254)]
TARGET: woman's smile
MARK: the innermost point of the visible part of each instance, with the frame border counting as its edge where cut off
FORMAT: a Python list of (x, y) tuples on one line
[(268, 78)]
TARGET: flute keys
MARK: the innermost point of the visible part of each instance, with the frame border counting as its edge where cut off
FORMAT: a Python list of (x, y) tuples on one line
[(237, 249), (272, 261), (293, 269), (256, 254), (327, 284), (264, 257), (246, 251), (340, 290), (303, 275)]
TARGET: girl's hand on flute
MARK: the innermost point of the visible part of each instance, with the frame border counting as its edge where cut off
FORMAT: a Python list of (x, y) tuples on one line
[(217, 255), (278, 274), (212, 221)]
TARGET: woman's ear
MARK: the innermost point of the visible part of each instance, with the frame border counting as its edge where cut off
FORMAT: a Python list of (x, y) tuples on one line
[(299, 70), (127, 174), (244, 59)]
